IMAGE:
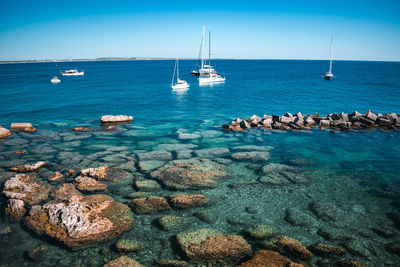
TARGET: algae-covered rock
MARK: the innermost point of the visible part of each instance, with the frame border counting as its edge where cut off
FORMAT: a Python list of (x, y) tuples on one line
[(123, 261), (171, 263), (261, 231), (28, 167), (150, 165), (84, 183), (268, 258), (64, 192), (326, 211), (55, 177), (251, 155), (281, 174), (170, 222), (155, 155), (15, 209), (211, 244), (147, 185), (327, 250), (289, 246), (81, 221), (126, 245), (149, 204), (184, 201), (4, 132), (190, 174)]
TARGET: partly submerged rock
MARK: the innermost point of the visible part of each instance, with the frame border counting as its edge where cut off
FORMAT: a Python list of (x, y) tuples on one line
[(84, 183), (22, 187), (268, 258), (115, 118), (82, 220), (15, 209), (289, 246), (23, 126), (55, 177), (211, 244), (81, 129), (149, 204), (4, 132), (251, 155), (184, 201), (190, 174), (28, 167), (123, 261), (99, 173), (170, 222)]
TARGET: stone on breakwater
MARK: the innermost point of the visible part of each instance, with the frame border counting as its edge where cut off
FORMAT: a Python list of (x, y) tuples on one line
[(211, 244), (4, 132), (190, 174), (28, 167), (184, 201), (149, 204), (21, 187), (81, 221), (123, 261), (268, 258), (115, 118)]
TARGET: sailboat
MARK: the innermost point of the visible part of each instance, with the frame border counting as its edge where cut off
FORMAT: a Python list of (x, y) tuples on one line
[(208, 75), (180, 84), (328, 75), (201, 58)]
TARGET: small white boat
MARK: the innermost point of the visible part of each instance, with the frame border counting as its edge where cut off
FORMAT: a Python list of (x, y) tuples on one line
[(55, 80), (74, 72), (329, 75), (180, 84)]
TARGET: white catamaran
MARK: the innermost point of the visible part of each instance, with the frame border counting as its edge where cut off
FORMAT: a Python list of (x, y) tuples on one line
[(180, 84), (207, 74), (74, 72), (328, 75)]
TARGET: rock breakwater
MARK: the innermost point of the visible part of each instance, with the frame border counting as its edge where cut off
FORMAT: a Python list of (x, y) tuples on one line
[(342, 121)]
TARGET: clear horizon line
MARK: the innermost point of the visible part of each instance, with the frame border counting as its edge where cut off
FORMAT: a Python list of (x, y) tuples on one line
[(170, 58)]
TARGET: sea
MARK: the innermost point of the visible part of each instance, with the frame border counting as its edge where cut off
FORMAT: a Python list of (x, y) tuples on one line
[(351, 198)]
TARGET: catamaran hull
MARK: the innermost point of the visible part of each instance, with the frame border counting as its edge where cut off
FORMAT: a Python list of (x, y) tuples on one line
[(211, 80), (180, 86)]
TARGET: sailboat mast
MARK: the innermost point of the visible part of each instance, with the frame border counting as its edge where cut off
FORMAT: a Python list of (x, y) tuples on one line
[(173, 75), (177, 69), (330, 63), (202, 47), (209, 52)]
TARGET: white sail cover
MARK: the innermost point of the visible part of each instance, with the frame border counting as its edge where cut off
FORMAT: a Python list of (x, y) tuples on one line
[(181, 81)]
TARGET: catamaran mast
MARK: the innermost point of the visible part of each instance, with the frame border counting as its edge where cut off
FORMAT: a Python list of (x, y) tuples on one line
[(173, 75), (202, 47), (330, 63), (177, 70), (209, 50)]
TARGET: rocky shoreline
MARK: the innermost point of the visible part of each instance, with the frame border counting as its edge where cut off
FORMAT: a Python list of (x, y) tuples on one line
[(342, 121)]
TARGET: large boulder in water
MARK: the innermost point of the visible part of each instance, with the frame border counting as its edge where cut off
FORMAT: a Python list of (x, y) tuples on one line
[(4, 132), (82, 220), (190, 174), (211, 244)]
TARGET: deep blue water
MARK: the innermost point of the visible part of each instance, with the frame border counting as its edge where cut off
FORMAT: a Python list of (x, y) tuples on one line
[(358, 172)]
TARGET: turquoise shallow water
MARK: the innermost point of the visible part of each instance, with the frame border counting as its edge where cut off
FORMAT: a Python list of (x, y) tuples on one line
[(355, 173)]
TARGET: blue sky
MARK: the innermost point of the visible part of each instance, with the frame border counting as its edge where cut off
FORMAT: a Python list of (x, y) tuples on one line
[(363, 29)]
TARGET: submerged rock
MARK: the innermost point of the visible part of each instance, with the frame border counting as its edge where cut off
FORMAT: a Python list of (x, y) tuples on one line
[(150, 165), (65, 192), (82, 220), (155, 155), (289, 246), (251, 155), (170, 222), (115, 118), (188, 136), (149, 204), (99, 173), (171, 263), (325, 211), (184, 201), (261, 231), (393, 247), (15, 209), (190, 174), (211, 244), (327, 250), (28, 167), (81, 129), (280, 174), (268, 258), (21, 187), (4, 132), (123, 261), (147, 185), (297, 218), (84, 183), (126, 245), (212, 152)]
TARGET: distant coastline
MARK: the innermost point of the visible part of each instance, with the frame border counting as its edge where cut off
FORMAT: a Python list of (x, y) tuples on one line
[(159, 58)]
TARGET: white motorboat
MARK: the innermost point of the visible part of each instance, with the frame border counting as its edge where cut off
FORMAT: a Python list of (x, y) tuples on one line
[(74, 72), (55, 80), (208, 75), (180, 84), (329, 75)]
